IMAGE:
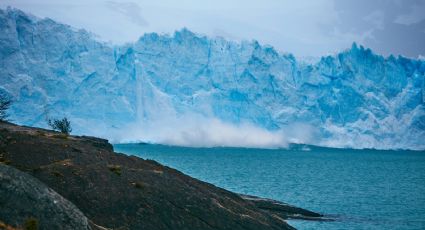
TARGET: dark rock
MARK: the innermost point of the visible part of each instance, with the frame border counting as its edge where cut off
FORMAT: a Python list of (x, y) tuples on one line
[(27, 202), (125, 192), (283, 210)]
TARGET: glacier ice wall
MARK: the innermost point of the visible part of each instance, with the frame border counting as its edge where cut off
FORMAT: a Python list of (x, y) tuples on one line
[(187, 89)]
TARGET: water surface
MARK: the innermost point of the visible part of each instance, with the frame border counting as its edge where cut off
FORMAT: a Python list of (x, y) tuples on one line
[(364, 189)]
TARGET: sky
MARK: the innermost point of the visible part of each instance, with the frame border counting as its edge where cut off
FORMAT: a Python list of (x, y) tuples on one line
[(306, 28)]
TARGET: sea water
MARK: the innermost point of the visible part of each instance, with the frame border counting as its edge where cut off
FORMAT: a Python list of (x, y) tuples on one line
[(360, 189)]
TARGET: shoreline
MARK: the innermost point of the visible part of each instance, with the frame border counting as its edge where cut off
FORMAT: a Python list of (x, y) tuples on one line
[(106, 185)]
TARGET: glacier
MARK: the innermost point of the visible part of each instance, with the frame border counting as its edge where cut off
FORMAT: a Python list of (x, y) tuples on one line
[(189, 89)]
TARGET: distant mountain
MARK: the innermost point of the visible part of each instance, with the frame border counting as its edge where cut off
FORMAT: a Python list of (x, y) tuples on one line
[(162, 84)]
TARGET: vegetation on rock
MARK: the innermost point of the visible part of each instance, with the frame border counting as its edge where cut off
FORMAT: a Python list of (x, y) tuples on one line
[(5, 103), (62, 125)]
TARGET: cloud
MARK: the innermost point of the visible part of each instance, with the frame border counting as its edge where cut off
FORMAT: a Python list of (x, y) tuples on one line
[(290, 26), (129, 9), (388, 27), (303, 27), (415, 15), (376, 18)]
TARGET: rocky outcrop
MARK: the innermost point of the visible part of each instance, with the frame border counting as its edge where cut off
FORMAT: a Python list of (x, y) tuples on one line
[(25, 201), (283, 210), (126, 192)]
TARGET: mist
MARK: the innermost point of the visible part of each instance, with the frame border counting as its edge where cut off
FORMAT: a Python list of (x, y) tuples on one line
[(198, 131)]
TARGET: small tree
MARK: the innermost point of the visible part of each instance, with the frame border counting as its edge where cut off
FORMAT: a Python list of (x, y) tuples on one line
[(5, 103), (62, 125)]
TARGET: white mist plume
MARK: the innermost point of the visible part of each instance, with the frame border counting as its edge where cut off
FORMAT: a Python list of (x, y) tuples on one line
[(197, 131)]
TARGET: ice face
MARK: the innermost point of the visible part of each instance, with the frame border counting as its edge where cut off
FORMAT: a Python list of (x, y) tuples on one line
[(188, 89)]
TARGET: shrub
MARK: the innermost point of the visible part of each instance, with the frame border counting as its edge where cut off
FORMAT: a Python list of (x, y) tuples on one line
[(62, 125), (5, 103)]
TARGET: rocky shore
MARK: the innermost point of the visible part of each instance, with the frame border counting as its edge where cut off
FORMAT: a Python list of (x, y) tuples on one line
[(77, 182)]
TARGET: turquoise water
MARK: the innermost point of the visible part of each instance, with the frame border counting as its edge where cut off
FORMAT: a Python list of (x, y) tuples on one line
[(362, 189)]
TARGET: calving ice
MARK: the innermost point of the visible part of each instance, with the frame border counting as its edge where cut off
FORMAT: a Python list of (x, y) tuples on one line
[(186, 88)]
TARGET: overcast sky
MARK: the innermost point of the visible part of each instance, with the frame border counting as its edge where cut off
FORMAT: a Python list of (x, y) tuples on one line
[(301, 27)]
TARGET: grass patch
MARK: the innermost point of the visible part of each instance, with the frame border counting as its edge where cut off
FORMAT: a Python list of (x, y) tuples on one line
[(138, 185), (36, 169), (115, 169), (40, 133), (4, 161), (60, 136), (4, 226), (31, 224), (57, 174), (76, 150)]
